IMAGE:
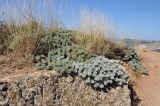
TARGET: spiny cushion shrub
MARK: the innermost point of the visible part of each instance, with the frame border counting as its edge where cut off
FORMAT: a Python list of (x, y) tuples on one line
[(61, 59), (101, 72), (57, 39), (134, 61)]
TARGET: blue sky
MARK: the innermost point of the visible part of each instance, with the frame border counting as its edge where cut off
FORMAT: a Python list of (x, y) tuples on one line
[(134, 18)]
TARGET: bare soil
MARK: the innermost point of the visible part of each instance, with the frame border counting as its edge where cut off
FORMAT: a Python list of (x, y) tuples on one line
[(148, 87), (11, 67)]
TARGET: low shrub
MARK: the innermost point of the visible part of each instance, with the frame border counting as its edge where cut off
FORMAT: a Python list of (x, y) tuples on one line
[(57, 39), (130, 54), (101, 72), (98, 72), (58, 51), (61, 59), (134, 61)]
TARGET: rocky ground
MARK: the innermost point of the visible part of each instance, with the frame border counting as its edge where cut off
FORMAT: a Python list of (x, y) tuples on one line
[(51, 89)]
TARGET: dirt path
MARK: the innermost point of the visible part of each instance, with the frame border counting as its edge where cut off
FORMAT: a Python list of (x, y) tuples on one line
[(148, 87)]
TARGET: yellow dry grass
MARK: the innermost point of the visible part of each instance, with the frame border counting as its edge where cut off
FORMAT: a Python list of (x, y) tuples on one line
[(26, 26), (94, 33)]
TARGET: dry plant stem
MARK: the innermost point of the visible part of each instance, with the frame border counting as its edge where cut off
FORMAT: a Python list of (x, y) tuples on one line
[(95, 33)]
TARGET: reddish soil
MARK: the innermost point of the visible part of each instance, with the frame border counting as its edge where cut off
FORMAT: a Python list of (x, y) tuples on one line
[(148, 87), (6, 71), (10, 67)]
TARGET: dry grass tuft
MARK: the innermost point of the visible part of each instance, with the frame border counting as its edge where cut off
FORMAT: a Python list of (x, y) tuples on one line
[(94, 32), (93, 43), (26, 38), (4, 38), (27, 27)]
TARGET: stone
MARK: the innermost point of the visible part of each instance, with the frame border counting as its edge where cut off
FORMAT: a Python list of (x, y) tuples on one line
[(56, 90)]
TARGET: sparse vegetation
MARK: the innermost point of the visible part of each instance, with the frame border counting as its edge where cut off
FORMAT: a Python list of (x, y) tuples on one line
[(94, 33), (25, 29), (71, 53), (4, 38), (134, 61), (88, 51), (31, 36), (54, 40), (57, 48)]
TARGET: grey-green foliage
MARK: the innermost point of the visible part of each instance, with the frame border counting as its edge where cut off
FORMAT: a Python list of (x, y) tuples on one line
[(61, 59), (134, 61), (130, 55), (101, 72), (138, 67), (57, 39), (73, 53), (41, 62)]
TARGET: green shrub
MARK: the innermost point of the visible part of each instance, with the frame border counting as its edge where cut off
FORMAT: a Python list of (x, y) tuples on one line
[(101, 72), (131, 54), (134, 61), (61, 59), (57, 39), (59, 52)]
